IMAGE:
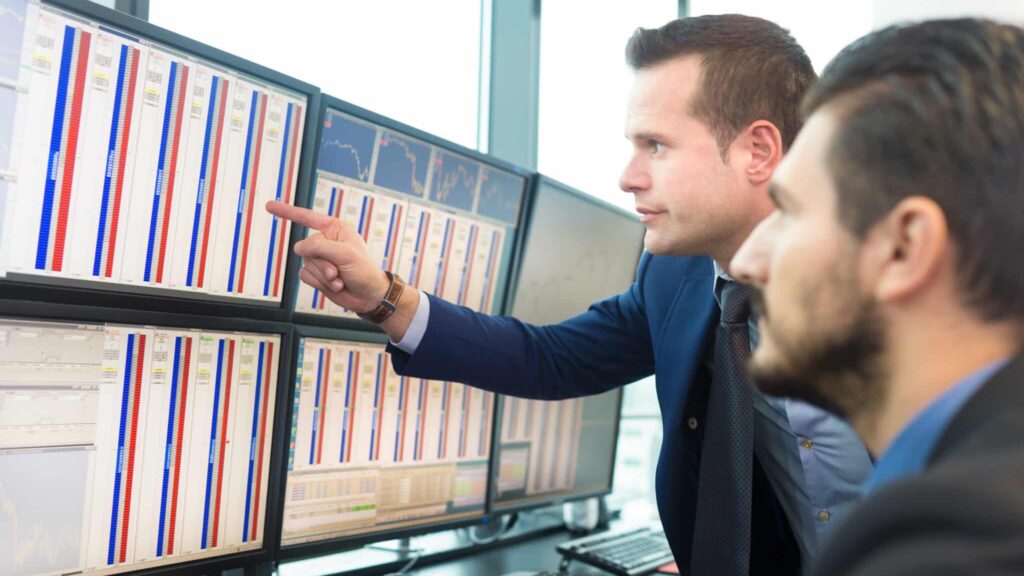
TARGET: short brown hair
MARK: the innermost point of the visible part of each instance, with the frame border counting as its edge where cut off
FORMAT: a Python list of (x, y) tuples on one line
[(752, 70)]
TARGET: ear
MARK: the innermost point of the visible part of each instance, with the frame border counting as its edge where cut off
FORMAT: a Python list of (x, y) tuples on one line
[(908, 249), (761, 149)]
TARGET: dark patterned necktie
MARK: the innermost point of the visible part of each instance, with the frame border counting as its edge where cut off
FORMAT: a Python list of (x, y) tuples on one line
[(721, 540)]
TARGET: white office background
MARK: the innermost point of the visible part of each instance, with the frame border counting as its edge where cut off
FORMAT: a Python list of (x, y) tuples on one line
[(416, 62), (427, 64)]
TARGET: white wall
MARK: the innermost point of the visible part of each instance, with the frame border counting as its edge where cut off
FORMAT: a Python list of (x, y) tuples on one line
[(822, 28), (584, 86), (893, 11)]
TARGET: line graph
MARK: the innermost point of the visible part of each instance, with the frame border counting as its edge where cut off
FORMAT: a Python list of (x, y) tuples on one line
[(346, 147), (12, 31), (402, 164), (41, 533), (501, 193), (455, 181)]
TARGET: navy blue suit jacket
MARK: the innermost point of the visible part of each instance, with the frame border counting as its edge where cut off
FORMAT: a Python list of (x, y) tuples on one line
[(662, 325)]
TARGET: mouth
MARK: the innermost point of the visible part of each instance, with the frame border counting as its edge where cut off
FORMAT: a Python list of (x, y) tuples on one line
[(647, 215)]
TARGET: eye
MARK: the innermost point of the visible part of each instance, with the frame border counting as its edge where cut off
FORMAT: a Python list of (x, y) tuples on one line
[(654, 146)]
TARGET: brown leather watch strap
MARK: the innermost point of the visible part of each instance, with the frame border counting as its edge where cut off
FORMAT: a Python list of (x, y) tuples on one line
[(389, 304)]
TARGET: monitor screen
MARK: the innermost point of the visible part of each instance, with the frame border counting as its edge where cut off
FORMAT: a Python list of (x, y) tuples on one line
[(131, 447), (444, 220), (372, 452), (577, 251), (135, 166)]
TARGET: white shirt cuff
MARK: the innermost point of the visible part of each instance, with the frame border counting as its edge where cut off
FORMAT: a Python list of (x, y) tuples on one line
[(411, 341)]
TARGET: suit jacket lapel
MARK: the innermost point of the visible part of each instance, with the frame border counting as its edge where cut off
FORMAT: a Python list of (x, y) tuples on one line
[(994, 416)]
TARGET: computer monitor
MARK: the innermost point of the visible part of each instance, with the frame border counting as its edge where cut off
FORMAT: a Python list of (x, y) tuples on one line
[(138, 161), (374, 455), (127, 447), (577, 251), (443, 217)]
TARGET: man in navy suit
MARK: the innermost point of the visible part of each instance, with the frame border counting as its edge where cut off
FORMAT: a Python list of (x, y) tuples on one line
[(713, 107)]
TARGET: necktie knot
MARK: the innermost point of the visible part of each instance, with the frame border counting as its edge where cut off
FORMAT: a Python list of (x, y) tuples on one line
[(734, 299)]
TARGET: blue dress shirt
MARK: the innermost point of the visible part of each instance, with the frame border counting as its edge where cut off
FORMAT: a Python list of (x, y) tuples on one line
[(909, 453)]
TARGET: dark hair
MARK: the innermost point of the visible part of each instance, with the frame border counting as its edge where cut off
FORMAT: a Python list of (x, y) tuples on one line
[(752, 70), (936, 109)]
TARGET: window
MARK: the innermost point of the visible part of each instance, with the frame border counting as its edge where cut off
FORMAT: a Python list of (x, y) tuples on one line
[(584, 86), (822, 28), (416, 62)]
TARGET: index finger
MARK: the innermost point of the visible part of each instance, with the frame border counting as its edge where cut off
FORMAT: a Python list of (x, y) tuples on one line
[(301, 216)]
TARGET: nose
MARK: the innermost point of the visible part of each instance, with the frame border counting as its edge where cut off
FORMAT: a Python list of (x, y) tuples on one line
[(635, 176), (752, 261)]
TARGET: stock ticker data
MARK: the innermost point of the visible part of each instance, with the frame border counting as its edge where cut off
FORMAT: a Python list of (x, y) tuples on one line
[(455, 181), (416, 206), (402, 164), (126, 447), (131, 165), (346, 148), (372, 451)]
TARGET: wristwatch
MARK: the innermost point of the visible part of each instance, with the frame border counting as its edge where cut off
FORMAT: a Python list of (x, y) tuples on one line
[(389, 304)]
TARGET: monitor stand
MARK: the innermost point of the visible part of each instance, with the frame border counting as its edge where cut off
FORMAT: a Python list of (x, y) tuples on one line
[(404, 547), (404, 551)]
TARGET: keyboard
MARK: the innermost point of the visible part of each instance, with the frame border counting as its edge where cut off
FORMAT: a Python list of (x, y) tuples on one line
[(624, 552)]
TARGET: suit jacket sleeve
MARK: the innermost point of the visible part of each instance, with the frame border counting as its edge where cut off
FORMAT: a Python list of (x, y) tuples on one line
[(607, 346), (961, 520)]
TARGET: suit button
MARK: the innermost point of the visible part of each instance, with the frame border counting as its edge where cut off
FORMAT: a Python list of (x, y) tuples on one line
[(824, 515), (807, 444), (692, 423)]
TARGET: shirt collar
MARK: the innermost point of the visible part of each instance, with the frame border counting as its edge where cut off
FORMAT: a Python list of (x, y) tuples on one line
[(909, 453), (721, 276), (720, 272)]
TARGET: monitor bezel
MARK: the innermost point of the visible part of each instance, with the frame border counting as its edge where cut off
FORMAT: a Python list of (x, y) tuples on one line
[(354, 542), (75, 313), (165, 299), (328, 102), (553, 498)]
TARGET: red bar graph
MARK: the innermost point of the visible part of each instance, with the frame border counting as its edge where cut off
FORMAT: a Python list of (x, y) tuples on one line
[(251, 193), (223, 440), (132, 439), (71, 152)]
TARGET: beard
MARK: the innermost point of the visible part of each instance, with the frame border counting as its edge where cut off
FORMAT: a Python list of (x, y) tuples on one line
[(840, 372)]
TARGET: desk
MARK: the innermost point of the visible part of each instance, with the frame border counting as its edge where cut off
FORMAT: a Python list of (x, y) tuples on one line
[(530, 546), (535, 554)]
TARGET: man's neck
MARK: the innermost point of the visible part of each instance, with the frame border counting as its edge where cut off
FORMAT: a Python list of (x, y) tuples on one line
[(924, 363), (722, 260), (724, 250)]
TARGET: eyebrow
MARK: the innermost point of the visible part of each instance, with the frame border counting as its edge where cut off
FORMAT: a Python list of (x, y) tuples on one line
[(645, 135)]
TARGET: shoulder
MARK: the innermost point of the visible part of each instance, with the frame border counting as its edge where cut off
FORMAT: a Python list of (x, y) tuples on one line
[(965, 515), (700, 268)]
